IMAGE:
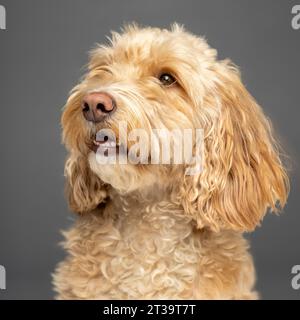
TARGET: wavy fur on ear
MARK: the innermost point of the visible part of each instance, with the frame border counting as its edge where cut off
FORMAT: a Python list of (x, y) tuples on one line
[(84, 190), (243, 175)]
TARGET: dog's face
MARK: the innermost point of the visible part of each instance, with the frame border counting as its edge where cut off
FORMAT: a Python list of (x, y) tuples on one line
[(147, 79), (158, 79)]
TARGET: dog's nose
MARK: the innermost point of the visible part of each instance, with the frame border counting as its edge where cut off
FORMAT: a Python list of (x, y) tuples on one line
[(97, 105)]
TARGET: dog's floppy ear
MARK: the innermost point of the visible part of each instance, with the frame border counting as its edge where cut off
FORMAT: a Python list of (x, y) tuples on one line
[(243, 175), (84, 190)]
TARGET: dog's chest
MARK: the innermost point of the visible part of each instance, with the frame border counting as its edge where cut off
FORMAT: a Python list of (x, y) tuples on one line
[(147, 250)]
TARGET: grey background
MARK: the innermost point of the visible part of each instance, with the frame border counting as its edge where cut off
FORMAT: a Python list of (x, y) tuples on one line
[(41, 57)]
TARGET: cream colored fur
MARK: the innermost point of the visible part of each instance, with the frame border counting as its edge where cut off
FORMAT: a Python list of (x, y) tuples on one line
[(150, 231)]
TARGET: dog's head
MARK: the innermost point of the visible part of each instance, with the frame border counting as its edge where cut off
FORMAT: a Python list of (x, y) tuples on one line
[(159, 79)]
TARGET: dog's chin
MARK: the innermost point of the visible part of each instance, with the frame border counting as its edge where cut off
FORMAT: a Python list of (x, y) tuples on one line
[(124, 178)]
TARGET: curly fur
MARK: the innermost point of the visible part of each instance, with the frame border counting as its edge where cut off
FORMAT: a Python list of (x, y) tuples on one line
[(150, 231)]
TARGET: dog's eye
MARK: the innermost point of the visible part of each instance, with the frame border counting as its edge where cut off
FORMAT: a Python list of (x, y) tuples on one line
[(166, 79)]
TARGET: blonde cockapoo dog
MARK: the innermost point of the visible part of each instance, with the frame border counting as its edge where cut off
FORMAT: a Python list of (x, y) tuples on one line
[(152, 231)]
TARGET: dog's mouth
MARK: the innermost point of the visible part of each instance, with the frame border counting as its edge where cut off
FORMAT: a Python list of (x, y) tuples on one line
[(106, 145)]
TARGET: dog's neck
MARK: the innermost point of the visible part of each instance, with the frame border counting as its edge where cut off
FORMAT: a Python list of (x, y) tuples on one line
[(155, 210), (141, 198)]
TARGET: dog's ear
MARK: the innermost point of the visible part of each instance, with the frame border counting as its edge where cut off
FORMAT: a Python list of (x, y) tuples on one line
[(84, 190), (242, 175)]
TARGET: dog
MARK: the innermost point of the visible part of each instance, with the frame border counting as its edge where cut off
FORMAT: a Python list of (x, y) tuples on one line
[(151, 231)]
